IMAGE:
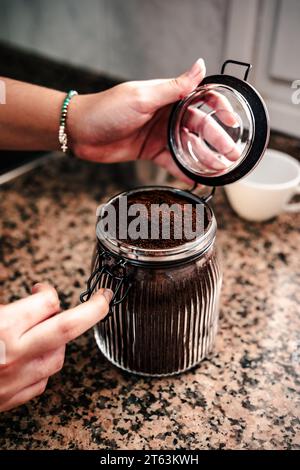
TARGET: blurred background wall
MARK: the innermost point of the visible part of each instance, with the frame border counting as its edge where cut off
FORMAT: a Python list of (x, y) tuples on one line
[(127, 38), (134, 39)]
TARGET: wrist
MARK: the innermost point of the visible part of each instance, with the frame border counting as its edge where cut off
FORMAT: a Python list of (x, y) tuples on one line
[(76, 125)]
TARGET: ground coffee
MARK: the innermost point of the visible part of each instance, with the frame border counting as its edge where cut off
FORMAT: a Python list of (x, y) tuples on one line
[(157, 205)]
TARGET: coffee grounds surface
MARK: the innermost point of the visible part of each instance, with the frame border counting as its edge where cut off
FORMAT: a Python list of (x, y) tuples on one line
[(158, 197)]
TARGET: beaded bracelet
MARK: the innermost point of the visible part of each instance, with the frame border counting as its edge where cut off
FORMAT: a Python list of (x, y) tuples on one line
[(62, 135)]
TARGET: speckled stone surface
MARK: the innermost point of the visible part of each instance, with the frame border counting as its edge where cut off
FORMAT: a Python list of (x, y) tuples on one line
[(245, 397)]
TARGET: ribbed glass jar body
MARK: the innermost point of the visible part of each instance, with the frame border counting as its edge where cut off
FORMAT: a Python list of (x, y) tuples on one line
[(168, 321)]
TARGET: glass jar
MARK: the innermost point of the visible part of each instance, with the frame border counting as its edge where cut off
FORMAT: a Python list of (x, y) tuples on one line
[(168, 320), (164, 314)]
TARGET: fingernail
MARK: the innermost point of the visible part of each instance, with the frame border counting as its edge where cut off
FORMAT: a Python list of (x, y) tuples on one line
[(235, 124), (217, 165), (108, 294), (35, 287), (197, 68)]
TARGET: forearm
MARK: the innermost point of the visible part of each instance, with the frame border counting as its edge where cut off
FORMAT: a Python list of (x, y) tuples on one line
[(30, 118)]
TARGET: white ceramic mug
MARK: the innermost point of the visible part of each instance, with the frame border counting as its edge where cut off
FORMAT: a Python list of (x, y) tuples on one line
[(267, 190)]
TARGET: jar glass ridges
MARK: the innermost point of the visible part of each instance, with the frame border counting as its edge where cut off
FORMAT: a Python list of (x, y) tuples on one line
[(168, 321)]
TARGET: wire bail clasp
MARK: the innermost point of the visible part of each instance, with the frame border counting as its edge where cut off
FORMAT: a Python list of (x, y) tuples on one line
[(107, 264)]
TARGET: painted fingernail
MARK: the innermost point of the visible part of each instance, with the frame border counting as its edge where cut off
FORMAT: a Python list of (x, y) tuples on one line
[(218, 165), (35, 287), (108, 294), (235, 124), (197, 68)]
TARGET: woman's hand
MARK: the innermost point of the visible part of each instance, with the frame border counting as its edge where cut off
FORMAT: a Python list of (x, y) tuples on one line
[(129, 121), (33, 335), (126, 122)]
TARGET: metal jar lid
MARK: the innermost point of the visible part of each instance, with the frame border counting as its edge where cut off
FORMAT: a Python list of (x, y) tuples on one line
[(219, 132)]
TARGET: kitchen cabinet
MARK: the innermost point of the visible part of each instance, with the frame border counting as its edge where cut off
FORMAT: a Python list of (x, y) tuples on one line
[(267, 34)]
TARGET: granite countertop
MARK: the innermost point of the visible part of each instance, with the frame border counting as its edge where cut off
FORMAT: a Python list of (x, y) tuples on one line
[(245, 397)]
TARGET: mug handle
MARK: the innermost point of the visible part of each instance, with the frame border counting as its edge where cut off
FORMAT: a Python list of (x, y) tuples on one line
[(293, 207)]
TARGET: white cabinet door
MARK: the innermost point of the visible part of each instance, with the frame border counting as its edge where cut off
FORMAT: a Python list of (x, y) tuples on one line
[(267, 34)]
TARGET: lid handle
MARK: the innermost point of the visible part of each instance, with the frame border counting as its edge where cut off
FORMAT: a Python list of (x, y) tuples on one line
[(237, 62)]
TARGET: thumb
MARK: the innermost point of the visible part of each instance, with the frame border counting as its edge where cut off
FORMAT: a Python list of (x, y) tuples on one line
[(68, 325), (108, 295), (168, 91)]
